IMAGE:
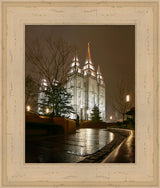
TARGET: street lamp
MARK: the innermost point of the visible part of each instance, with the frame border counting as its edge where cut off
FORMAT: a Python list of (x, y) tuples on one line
[(28, 108), (127, 98), (47, 110), (110, 117)]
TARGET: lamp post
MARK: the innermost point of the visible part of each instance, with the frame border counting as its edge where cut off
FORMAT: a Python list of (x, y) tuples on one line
[(28, 108), (127, 98), (110, 117), (47, 110), (127, 104)]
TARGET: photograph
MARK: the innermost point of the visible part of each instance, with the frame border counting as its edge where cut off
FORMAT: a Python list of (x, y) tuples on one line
[(80, 94)]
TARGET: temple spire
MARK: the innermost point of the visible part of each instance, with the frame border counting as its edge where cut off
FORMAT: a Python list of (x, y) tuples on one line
[(98, 70), (75, 66), (89, 53), (99, 76), (76, 55), (89, 67)]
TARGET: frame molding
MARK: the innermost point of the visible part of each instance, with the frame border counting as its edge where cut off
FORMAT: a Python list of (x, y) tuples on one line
[(142, 14)]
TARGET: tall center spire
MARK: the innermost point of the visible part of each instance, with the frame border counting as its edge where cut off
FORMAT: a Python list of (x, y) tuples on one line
[(89, 53), (89, 67)]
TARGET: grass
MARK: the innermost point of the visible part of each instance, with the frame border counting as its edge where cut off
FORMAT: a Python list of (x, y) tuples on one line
[(101, 124)]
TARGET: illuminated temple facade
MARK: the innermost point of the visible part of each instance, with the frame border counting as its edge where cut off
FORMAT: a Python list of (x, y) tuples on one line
[(87, 87)]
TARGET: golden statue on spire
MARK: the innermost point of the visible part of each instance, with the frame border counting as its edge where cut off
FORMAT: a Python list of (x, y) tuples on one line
[(89, 53)]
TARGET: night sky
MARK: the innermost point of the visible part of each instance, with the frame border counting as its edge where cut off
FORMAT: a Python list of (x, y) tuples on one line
[(112, 47)]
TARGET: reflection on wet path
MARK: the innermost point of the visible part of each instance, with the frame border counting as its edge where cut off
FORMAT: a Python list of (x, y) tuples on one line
[(68, 149), (125, 152)]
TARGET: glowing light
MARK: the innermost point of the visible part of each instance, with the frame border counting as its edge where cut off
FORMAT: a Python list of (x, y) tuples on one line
[(73, 64), (127, 98), (87, 111), (44, 82), (91, 67), (47, 110), (92, 74), (110, 117), (111, 136), (75, 59), (72, 116), (28, 108)]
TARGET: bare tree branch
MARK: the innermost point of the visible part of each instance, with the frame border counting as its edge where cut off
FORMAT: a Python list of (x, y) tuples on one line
[(119, 102), (50, 60)]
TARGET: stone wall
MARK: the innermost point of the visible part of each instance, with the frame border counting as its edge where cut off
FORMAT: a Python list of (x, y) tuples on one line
[(68, 124)]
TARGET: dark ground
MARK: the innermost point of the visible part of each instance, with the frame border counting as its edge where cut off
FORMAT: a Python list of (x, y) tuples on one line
[(87, 145), (71, 148)]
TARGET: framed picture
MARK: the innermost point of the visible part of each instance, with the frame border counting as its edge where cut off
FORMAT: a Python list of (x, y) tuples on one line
[(61, 62), (78, 94)]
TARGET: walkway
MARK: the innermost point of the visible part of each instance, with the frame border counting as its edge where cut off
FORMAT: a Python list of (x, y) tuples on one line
[(125, 152)]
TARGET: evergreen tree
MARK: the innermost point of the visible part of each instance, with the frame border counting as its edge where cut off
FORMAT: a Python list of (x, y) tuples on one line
[(62, 103), (44, 103), (95, 114), (60, 98)]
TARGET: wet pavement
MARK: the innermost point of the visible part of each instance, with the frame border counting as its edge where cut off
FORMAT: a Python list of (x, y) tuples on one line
[(67, 149), (125, 152)]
